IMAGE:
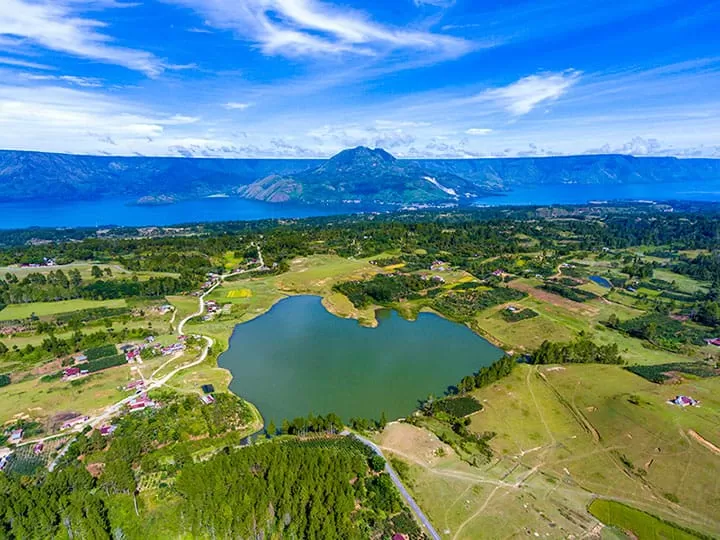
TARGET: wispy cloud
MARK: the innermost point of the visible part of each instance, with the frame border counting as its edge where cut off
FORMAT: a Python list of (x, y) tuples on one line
[(399, 124), (478, 131), (55, 25), (7, 61), (237, 106), (312, 28), (523, 96), (436, 3), (86, 82)]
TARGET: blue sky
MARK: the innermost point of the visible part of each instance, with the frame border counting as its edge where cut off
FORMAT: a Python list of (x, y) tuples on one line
[(304, 78)]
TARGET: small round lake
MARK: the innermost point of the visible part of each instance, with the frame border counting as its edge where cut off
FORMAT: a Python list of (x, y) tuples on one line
[(299, 359)]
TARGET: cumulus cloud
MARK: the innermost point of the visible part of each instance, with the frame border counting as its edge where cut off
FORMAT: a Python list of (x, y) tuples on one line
[(522, 96), (312, 28), (55, 25)]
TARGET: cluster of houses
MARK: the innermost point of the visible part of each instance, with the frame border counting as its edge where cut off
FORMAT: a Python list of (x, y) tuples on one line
[(684, 401), (13, 329), (133, 352), (439, 266), (435, 279), (176, 347), (212, 280)]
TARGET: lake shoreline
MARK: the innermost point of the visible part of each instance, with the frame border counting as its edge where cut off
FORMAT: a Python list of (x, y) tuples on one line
[(283, 386)]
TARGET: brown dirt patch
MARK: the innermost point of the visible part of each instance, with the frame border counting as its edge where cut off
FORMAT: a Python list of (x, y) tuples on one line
[(554, 299), (95, 469), (414, 443), (707, 444)]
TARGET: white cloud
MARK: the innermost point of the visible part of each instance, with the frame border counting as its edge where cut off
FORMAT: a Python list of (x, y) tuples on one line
[(394, 124), (523, 96), (478, 131), (312, 27), (54, 25), (7, 61), (86, 82), (237, 106), (62, 119), (436, 3)]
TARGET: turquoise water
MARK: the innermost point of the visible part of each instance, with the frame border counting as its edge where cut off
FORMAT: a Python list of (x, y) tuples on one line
[(120, 212), (299, 359)]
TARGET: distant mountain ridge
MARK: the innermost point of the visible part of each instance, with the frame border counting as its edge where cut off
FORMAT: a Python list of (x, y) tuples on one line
[(355, 175), (363, 175)]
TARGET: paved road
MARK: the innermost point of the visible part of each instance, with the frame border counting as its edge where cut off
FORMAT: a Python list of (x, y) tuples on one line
[(422, 518)]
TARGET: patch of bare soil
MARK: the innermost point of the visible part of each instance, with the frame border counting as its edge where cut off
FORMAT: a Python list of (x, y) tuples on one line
[(707, 444), (415, 443)]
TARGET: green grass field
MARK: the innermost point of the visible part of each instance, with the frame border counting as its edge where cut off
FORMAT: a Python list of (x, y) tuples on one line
[(640, 524), (566, 434), (40, 400), (42, 309)]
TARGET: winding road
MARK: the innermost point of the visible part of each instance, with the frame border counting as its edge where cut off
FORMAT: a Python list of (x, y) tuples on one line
[(419, 514), (152, 383)]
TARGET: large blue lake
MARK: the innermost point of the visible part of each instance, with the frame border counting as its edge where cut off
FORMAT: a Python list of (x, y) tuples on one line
[(121, 212), (299, 359)]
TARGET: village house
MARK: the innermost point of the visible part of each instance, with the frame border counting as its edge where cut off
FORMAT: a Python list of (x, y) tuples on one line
[(73, 373), (141, 403), (107, 430), (16, 436), (38, 448), (80, 358), (207, 399), (713, 341)]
